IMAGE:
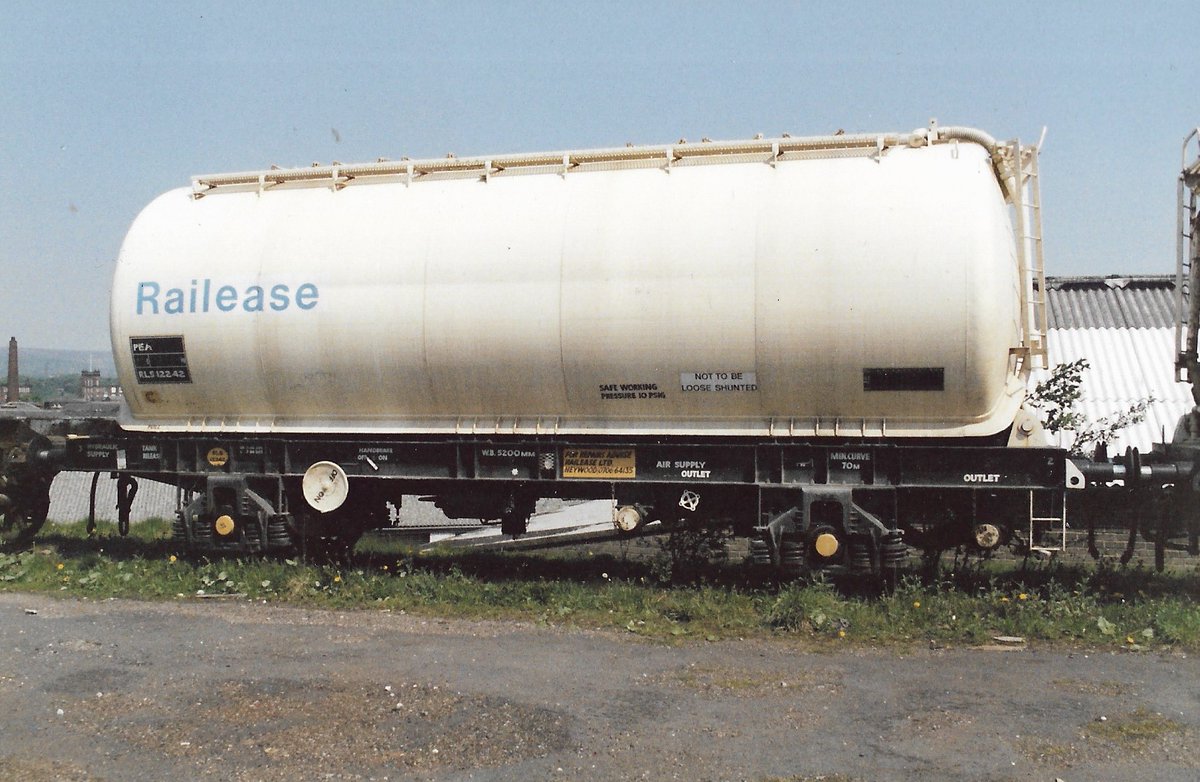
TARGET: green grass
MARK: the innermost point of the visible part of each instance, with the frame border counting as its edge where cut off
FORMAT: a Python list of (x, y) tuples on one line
[(1045, 604)]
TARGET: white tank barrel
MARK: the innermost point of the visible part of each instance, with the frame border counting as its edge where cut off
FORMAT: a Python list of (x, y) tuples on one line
[(786, 287)]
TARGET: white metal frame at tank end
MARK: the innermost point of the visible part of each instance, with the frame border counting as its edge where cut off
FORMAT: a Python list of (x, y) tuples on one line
[(1017, 165)]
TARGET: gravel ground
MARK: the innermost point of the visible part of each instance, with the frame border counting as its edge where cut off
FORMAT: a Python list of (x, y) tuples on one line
[(122, 690)]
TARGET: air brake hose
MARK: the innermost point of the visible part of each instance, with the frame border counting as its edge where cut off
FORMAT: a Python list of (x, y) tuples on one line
[(91, 522), (127, 489)]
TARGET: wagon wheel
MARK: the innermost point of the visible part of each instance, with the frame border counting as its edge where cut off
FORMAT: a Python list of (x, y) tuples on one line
[(25, 513)]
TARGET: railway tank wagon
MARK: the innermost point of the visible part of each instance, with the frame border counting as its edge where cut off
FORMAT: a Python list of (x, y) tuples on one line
[(878, 292), (823, 340)]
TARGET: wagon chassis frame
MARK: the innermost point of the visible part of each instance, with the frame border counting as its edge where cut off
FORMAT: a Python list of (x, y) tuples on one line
[(764, 488)]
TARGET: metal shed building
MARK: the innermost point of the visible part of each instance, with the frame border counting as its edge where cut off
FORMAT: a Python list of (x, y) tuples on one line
[(1125, 328)]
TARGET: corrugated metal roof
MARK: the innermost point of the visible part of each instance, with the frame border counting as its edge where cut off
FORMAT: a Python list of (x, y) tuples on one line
[(1138, 302), (1124, 326), (1126, 365)]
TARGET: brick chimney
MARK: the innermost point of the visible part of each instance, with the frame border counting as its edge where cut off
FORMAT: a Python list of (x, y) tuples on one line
[(14, 383)]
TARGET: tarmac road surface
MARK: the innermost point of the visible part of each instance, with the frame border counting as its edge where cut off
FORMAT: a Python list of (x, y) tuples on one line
[(123, 690)]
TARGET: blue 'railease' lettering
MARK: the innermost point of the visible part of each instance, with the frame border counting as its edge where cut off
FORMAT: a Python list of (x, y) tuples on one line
[(205, 296)]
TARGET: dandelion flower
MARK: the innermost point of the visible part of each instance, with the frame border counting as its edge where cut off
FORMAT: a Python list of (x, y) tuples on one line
[(1022, 596), (916, 604), (172, 558), (841, 633), (337, 579), (60, 566)]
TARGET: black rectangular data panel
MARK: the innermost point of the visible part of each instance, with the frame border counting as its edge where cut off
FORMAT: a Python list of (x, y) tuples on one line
[(159, 360), (904, 379)]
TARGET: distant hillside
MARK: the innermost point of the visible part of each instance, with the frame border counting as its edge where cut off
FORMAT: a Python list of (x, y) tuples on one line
[(43, 362)]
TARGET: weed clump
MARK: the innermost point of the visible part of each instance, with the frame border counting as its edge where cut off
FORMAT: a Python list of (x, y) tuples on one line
[(1135, 730), (689, 553)]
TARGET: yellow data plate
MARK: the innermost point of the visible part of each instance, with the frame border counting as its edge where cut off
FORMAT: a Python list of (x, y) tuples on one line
[(610, 464)]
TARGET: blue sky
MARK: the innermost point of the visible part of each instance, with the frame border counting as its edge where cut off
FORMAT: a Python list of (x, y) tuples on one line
[(105, 105)]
